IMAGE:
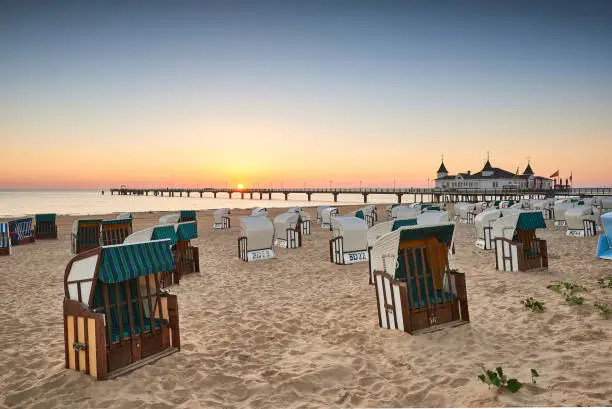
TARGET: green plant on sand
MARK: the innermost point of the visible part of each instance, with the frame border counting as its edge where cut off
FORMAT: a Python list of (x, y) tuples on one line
[(567, 290), (499, 379), (604, 309), (533, 304), (605, 282)]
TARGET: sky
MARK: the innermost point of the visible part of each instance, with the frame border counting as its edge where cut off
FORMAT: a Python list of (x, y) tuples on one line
[(98, 94)]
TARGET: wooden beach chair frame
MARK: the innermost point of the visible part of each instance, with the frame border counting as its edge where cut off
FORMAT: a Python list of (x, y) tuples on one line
[(100, 292), (187, 256), (422, 263), (45, 227)]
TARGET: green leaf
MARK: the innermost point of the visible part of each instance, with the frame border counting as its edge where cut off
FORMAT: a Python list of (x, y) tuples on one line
[(500, 371), (534, 373), (513, 385), (482, 378)]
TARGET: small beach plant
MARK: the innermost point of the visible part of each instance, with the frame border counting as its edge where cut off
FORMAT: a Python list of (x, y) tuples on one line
[(605, 282), (604, 309), (533, 304), (567, 290), (499, 379), (534, 374)]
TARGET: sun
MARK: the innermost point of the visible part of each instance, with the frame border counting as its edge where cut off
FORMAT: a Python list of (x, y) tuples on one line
[(240, 186)]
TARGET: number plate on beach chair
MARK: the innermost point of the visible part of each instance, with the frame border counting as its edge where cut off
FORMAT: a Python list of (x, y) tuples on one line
[(355, 257)]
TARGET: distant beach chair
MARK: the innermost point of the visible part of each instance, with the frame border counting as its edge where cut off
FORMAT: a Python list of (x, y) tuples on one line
[(85, 235), (221, 218), (466, 212), (367, 213), (305, 220), (604, 246), (259, 211), (287, 230), (114, 231), (430, 217), (5, 240), (416, 291), (560, 207), (349, 243), (516, 246), (403, 212), (320, 213), (326, 217), (604, 203), (116, 317), (125, 215), (582, 221), (545, 207), (379, 230), (256, 239), (45, 226), (484, 227), (21, 231)]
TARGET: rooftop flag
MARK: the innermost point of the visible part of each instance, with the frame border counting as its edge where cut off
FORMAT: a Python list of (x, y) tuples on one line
[(556, 174)]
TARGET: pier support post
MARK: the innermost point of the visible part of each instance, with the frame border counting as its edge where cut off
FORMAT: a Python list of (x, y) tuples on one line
[(270, 196), (335, 197), (365, 198), (251, 195), (242, 195), (399, 197), (215, 195), (286, 196), (260, 195), (308, 195), (201, 193)]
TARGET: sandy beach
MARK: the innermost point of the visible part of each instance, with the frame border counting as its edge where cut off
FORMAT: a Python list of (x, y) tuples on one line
[(299, 331)]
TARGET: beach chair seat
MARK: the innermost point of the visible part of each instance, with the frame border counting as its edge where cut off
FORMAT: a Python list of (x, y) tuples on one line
[(85, 235), (45, 227), (21, 231), (416, 291), (116, 317)]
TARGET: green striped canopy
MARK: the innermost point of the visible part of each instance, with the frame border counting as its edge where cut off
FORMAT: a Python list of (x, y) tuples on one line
[(359, 214), (187, 215), (90, 221), (129, 261), (433, 208), (116, 221), (164, 232), (444, 233), (48, 217), (531, 221), (403, 222), (186, 231)]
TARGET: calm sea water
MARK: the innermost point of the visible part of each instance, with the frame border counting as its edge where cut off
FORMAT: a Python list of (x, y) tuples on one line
[(19, 203)]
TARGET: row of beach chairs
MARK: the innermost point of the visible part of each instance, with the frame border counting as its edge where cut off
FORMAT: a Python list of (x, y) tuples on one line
[(26, 230)]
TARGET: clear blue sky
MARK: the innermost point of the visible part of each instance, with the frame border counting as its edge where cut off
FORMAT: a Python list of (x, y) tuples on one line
[(517, 78)]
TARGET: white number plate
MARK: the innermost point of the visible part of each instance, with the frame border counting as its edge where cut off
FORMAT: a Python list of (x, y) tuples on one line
[(575, 233), (355, 257), (280, 243), (260, 254), (217, 226), (559, 222)]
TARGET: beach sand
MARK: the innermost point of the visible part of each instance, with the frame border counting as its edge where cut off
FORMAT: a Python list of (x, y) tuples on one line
[(299, 331)]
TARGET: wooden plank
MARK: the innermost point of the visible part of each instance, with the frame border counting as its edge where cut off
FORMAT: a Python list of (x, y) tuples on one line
[(92, 347), (82, 359), (71, 333)]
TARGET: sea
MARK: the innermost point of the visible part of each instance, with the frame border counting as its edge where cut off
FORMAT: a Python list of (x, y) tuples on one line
[(16, 203)]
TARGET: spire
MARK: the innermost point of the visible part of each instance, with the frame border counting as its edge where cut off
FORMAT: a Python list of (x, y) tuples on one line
[(528, 170), (442, 168)]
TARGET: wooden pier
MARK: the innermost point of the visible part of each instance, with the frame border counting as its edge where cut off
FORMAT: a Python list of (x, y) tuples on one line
[(419, 194)]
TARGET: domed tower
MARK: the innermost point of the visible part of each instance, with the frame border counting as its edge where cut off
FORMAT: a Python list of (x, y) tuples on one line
[(442, 172)]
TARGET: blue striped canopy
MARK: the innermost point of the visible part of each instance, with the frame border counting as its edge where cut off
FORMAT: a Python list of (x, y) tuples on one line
[(186, 231), (128, 261), (5, 240), (23, 227)]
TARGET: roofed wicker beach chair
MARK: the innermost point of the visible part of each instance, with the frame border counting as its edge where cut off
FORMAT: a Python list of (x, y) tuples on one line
[(582, 221), (367, 213), (45, 227), (221, 218), (604, 246), (85, 235), (320, 213), (326, 217), (430, 217), (379, 230), (604, 203), (403, 212), (287, 230), (5, 240), (187, 216), (256, 241), (114, 231), (188, 256), (349, 243), (516, 246), (21, 231), (465, 212), (125, 215), (116, 317), (546, 207), (416, 291)]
